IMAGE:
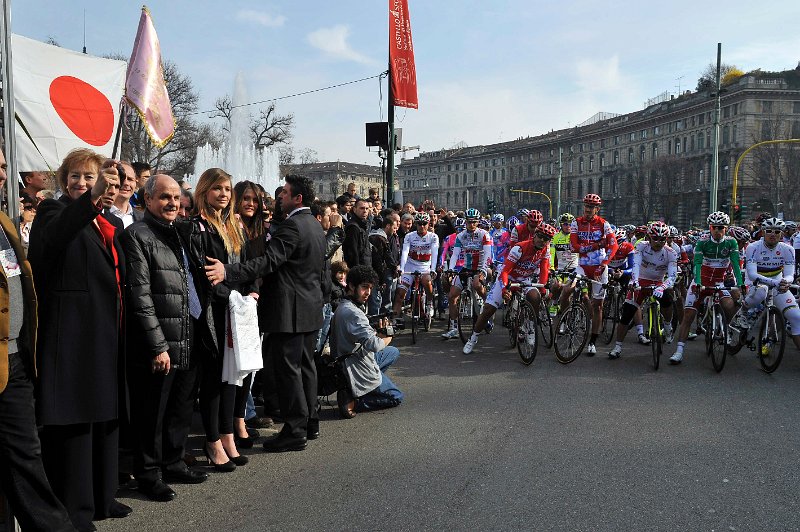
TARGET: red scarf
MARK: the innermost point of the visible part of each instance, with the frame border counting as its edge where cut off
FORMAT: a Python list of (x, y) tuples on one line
[(106, 231)]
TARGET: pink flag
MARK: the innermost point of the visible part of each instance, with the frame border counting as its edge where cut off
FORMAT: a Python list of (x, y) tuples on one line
[(145, 90)]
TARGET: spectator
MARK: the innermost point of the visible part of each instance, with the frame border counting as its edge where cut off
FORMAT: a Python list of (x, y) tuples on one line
[(22, 476), (142, 171), (78, 266), (409, 208), (34, 182), (163, 309), (291, 269), (250, 209), (187, 205), (219, 238), (333, 239), (356, 246), (370, 388), (122, 207), (351, 191), (377, 218), (406, 226), (344, 206), (338, 283), (383, 261), (45, 194), (27, 212)]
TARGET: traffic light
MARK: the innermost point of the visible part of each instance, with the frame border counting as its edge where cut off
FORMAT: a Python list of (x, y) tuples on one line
[(491, 206), (737, 213)]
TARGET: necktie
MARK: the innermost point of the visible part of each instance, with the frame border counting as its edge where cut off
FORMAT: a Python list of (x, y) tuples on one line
[(194, 302)]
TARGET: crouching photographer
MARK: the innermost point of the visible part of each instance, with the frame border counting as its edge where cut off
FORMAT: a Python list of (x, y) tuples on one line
[(367, 344)]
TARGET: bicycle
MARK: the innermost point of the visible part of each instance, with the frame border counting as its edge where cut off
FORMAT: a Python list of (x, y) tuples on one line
[(469, 304), (715, 325), (612, 310), (653, 326), (571, 329), (527, 325), (419, 314), (765, 333)]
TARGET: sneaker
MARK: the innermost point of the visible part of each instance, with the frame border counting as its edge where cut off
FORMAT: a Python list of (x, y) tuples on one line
[(489, 327), (644, 340), (452, 333), (469, 346), (591, 350), (677, 358), (691, 336), (615, 353)]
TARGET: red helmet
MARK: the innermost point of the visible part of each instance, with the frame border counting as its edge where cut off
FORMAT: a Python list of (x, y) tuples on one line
[(535, 217), (641, 229), (593, 200), (547, 230), (658, 229)]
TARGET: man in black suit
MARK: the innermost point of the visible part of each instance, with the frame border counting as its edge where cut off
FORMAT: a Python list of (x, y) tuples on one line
[(290, 309)]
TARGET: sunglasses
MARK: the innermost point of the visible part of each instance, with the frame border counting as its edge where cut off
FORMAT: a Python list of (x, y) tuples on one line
[(718, 227), (422, 223), (472, 221), (766, 231), (658, 239)]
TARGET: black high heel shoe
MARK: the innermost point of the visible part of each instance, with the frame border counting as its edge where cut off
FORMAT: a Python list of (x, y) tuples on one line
[(227, 467), (244, 443), (238, 460)]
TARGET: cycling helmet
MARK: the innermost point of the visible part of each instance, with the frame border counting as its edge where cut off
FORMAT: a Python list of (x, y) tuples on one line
[(593, 200), (640, 229), (763, 216), (739, 233), (673, 231), (621, 234), (547, 230), (522, 212), (498, 218), (553, 222), (512, 222), (566, 218), (422, 217), (630, 228), (535, 217), (791, 226), (484, 223), (472, 214), (692, 238), (773, 223), (460, 224), (718, 218), (658, 229)]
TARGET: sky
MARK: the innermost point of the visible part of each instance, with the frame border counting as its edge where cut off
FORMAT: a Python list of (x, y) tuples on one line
[(487, 70)]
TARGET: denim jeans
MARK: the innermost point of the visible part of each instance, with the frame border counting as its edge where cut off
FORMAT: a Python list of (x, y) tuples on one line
[(374, 303), (386, 395), (327, 313)]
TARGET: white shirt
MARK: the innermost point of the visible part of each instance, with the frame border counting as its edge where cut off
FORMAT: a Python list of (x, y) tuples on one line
[(296, 211), (127, 218)]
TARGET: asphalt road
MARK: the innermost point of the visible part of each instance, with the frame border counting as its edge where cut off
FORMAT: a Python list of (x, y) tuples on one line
[(485, 443)]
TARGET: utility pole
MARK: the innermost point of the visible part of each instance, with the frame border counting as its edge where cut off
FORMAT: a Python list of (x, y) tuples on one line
[(712, 203), (390, 154), (9, 124), (558, 182)]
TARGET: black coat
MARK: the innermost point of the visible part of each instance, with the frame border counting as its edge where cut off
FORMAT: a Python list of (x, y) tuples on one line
[(333, 241), (79, 313), (382, 260), (291, 268), (356, 248), (157, 289)]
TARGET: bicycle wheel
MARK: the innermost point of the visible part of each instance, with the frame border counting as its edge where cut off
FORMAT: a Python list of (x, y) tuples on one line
[(568, 346), (717, 344), (771, 340), (610, 317), (414, 315), (466, 321), (512, 309), (656, 338), (527, 337), (545, 324), (426, 319)]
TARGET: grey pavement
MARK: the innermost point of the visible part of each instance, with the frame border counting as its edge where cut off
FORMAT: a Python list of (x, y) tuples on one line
[(483, 442)]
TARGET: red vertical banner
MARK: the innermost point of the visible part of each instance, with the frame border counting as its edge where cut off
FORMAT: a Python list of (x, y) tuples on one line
[(401, 55)]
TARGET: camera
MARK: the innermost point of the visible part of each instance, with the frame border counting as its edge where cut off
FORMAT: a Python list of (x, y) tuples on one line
[(373, 321)]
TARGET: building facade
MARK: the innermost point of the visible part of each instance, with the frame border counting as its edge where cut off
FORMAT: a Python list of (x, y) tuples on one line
[(651, 164), (331, 179)]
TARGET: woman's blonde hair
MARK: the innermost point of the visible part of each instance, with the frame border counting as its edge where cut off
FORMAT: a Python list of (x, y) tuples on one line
[(223, 221), (77, 157)]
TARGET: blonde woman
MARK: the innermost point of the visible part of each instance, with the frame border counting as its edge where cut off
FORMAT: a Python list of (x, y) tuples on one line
[(220, 237)]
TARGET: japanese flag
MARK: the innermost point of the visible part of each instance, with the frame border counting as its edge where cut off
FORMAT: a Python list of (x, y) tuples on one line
[(65, 100)]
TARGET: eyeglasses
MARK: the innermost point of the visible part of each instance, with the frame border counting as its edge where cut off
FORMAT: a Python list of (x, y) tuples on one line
[(766, 231), (718, 227)]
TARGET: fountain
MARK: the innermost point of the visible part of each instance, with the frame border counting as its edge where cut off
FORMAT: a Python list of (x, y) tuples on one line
[(237, 155)]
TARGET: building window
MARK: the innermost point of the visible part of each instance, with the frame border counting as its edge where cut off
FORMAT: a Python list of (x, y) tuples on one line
[(677, 146), (631, 136), (448, 180), (591, 164), (726, 111), (656, 130), (602, 160), (486, 176), (551, 169), (701, 140), (600, 186), (733, 135), (494, 175), (616, 157), (796, 130), (602, 143), (796, 107), (630, 155), (502, 173), (655, 151), (569, 189), (701, 119), (571, 165), (641, 153), (726, 135), (766, 107), (580, 165), (616, 140), (530, 170), (580, 188), (589, 186), (691, 143)]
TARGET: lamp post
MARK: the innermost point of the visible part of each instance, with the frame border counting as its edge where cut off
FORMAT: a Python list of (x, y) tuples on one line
[(549, 201)]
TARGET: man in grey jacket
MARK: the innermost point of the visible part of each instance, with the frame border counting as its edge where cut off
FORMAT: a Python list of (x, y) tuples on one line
[(370, 387)]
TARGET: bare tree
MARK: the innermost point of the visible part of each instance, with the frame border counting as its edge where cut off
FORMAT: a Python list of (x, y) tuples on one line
[(270, 128)]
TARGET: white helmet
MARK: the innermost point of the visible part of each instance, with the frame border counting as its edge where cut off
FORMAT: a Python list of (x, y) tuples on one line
[(718, 218), (673, 231), (773, 223)]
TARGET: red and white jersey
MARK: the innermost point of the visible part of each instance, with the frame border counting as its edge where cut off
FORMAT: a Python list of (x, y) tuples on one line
[(475, 247), (651, 265), (620, 258), (525, 262), (520, 233), (419, 252), (593, 240)]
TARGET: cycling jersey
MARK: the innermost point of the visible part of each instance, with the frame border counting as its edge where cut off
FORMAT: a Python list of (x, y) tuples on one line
[(712, 260), (683, 258), (476, 247), (447, 251), (623, 258), (593, 240), (657, 266), (769, 265), (500, 238), (520, 233), (561, 255), (525, 262), (419, 252)]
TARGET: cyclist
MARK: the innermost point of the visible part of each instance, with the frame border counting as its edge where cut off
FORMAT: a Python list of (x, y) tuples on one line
[(639, 234), (621, 267), (679, 290), (500, 238), (655, 269), (526, 263), (562, 257), (524, 231), (419, 254), (522, 215), (591, 237), (713, 255), (476, 246), (771, 266), (789, 232)]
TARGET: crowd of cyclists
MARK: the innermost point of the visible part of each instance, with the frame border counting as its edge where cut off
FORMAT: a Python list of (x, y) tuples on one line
[(740, 271)]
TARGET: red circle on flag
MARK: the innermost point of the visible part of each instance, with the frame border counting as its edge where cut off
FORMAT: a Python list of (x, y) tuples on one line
[(85, 110)]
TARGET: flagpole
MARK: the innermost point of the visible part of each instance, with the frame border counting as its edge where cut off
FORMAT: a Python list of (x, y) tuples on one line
[(9, 114), (119, 131), (390, 154)]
